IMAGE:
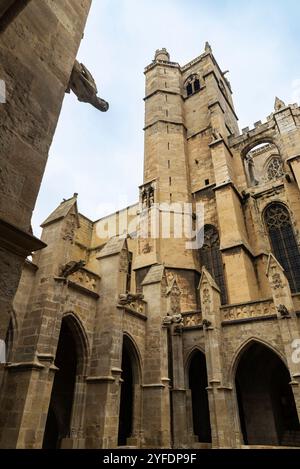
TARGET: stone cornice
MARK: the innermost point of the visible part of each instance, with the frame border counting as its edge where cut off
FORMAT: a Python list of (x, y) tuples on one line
[(218, 142), (161, 63), (293, 158), (18, 241), (202, 131), (25, 366), (81, 289), (212, 72), (216, 103), (165, 122), (132, 312), (190, 64), (99, 379), (161, 90), (245, 320), (231, 184), (193, 328), (209, 187), (238, 245), (274, 187)]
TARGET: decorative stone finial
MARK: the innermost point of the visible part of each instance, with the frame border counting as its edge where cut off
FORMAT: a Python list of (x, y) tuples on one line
[(162, 54), (207, 47), (279, 104)]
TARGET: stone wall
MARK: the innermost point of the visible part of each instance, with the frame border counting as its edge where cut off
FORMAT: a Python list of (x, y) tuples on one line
[(38, 48)]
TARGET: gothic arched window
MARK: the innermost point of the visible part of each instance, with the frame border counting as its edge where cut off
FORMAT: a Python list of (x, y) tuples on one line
[(283, 242), (192, 85), (211, 258), (275, 168)]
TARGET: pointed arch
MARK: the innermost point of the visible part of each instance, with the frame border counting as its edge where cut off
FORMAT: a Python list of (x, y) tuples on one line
[(80, 338), (278, 223), (130, 395), (192, 85), (265, 401), (197, 383), (244, 346), (255, 142), (210, 257), (66, 406), (134, 352), (189, 356)]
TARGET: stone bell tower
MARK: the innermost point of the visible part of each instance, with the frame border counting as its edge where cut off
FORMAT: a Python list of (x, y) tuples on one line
[(189, 117)]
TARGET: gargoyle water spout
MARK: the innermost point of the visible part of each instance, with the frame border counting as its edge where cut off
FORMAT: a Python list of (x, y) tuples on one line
[(83, 85)]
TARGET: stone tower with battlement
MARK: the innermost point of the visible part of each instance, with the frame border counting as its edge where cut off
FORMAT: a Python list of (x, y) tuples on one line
[(169, 346)]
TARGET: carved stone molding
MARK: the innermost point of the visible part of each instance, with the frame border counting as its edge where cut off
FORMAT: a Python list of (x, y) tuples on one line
[(133, 301), (192, 319), (250, 310)]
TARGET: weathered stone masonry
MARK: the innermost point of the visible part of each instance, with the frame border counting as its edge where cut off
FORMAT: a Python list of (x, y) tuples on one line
[(156, 345)]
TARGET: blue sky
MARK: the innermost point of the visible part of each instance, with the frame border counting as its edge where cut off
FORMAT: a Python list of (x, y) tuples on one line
[(100, 155)]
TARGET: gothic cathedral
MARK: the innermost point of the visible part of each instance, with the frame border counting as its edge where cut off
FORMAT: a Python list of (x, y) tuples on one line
[(123, 340)]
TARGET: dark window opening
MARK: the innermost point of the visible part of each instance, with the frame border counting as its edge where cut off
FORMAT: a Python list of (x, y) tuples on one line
[(206, 182), (129, 272), (61, 402), (198, 383), (283, 242), (196, 85), (128, 420), (189, 89), (126, 402), (211, 258), (192, 85)]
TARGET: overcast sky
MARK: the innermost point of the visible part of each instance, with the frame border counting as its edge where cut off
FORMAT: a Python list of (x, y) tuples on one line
[(100, 155)]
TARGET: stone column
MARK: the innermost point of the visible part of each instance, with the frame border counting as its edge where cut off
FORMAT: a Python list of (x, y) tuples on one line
[(287, 321), (29, 378), (219, 394), (104, 379), (156, 423), (181, 436), (173, 322)]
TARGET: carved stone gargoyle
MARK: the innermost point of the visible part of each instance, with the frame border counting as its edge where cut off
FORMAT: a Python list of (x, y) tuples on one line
[(127, 298), (71, 267), (83, 85), (174, 319), (206, 324), (283, 311)]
